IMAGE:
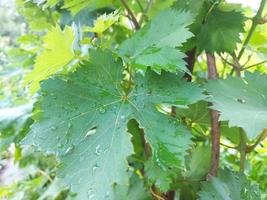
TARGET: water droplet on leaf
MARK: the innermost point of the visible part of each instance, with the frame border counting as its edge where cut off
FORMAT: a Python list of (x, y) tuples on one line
[(98, 150), (102, 109)]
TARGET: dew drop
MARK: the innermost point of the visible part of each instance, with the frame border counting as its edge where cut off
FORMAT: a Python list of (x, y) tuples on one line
[(102, 109), (69, 149), (98, 150), (95, 167), (107, 195), (90, 194), (90, 132), (241, 100)]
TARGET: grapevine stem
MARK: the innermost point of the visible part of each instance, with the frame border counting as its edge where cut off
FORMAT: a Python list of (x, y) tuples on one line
[(133, 19), (215, 130), (242, 149), (255, 22)]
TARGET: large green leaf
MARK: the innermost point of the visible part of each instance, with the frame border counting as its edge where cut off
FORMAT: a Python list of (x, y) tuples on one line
[(221, 31), (150, 45), (229, 186), (58, 53), (241, 101), (83, 117)]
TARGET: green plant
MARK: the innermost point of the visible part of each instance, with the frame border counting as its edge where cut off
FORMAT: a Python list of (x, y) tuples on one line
[(146, 99)]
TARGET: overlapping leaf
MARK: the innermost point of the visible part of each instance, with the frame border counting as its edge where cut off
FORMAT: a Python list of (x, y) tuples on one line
[(83, 116), (221, 31), (76, 6), (148, 47), (103, 22), (58, 52), (241, 101), (229, 186)]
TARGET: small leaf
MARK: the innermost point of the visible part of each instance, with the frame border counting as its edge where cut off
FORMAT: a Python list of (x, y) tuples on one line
[(221, 31), (149, 46)]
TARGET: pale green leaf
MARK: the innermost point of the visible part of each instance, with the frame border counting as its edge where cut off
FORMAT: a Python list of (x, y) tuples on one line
[(103, 22), (57, 53)]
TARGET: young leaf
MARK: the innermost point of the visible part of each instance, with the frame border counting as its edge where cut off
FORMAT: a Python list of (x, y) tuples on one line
[(229, 186), (241, 101), (103, 22), (58, 52), (148, 47), (160, 178), (221, 31), (85, 114)]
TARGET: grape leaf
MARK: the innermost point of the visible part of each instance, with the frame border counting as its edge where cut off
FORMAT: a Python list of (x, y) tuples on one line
[(103, 22), (229, 186), (135, 190), (13, 124), (149, 46), (83, 117), (76, 6), (241, 101), (199, 163), (58, 52), (221, 31), (160, 178)]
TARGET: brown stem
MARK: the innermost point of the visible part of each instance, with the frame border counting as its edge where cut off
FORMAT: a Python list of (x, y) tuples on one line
[(133, 19), (215, 126), (190, 62)]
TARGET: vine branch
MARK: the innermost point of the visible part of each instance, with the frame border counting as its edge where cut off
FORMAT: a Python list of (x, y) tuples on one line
[(255, 22), (215, 126), (132, 17)]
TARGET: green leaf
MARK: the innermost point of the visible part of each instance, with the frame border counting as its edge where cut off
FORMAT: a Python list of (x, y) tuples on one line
[(199, 163), (221, 31), (75, 6), (241, 101), (149, 46), (135, 190), (58, 53), (103, 22), (165, 58), (229, 186), (83, 117), (13, 122), (160, 178)]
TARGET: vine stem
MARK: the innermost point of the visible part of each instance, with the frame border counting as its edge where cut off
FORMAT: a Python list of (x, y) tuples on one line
[(215, 126), (132, 17), (242, 150), (255, 22)]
